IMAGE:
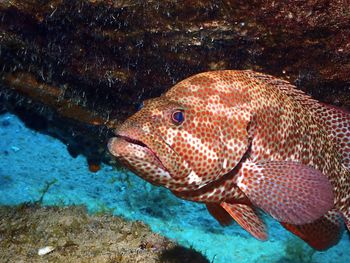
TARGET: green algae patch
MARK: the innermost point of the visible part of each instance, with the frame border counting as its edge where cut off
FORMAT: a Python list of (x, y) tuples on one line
[(69, 234)]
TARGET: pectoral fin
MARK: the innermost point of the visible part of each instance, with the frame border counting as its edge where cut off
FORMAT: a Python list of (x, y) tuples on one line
[(289, 191), (321, 234)]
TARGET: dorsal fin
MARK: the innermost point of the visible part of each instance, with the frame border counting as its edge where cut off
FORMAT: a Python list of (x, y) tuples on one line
[(335, 121)]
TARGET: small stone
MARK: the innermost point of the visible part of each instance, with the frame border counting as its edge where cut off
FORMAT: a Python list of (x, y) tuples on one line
[(45, 250), (15, 148)]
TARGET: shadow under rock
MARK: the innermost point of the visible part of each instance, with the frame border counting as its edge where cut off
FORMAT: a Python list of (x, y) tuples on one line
[(180, 254)]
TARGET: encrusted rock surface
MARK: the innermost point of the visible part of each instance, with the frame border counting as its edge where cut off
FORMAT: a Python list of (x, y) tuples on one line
[(70, 68), (74, 236)]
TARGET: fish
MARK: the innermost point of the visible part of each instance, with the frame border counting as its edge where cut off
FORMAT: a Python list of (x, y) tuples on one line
[(246, 144)]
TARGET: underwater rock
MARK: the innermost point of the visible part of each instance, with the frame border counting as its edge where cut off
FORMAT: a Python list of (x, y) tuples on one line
[(70, 67), (71, 235)]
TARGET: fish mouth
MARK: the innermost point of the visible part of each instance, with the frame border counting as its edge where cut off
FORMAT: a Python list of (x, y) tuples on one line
[(139, 144), (138, 151), (132, 140)]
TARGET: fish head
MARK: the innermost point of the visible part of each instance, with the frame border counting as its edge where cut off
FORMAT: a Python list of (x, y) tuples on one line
[(179, 143)]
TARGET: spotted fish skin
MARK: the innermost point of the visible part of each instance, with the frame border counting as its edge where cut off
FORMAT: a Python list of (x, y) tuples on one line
[(247, 141)]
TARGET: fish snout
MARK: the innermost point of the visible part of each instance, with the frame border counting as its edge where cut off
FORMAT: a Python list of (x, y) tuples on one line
[(126, 138), (129, 129)]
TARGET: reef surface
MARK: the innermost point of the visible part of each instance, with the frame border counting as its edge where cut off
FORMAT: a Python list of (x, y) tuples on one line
[(72, 235), (73, 68)]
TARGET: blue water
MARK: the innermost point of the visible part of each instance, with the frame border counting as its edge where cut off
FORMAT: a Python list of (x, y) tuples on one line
[(30, 160)]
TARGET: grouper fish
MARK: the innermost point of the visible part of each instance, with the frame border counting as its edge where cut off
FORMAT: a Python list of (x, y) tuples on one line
[(242, 142)]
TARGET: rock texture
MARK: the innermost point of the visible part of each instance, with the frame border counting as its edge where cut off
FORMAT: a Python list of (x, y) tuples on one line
[(75, 236), (73, 68)]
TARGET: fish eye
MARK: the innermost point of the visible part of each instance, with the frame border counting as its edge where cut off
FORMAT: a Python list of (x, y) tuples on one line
[(177, 117)]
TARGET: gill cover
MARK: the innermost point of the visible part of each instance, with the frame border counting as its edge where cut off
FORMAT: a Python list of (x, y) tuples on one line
[(213, 137)]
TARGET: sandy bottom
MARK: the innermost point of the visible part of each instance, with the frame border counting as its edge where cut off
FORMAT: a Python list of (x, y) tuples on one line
[(33, 164)]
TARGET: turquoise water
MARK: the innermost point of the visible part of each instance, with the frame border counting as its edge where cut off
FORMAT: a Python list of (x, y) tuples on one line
[(30, 161)]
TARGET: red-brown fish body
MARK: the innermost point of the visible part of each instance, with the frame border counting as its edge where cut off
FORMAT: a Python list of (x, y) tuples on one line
[(240, 140)]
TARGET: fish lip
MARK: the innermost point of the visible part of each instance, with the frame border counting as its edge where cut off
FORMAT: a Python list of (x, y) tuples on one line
[(135, 141)]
